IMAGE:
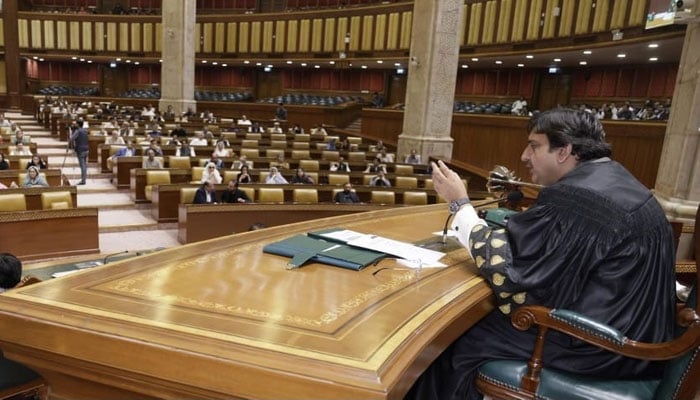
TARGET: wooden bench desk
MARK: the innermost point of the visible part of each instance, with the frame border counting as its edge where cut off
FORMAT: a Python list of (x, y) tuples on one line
[(220, 319)]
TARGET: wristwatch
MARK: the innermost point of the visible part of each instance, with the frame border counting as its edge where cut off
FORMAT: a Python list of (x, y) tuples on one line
[(455, 205)]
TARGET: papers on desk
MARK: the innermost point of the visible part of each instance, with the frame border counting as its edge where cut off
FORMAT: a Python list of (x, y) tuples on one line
[(417, 256), (80, 266)]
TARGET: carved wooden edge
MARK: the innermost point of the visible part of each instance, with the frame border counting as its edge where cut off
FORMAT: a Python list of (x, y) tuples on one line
[(47, 214)]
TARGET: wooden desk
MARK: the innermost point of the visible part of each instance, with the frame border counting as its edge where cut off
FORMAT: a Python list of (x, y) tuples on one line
[(220, 319), (38, 234), (198, 222), (32, 195)]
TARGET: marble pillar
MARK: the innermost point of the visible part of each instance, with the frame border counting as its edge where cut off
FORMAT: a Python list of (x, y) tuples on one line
[(177, 68), (678, 179), (432, 73)]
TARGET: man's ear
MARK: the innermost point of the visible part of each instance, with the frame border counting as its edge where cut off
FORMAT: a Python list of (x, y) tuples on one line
[(564, 152)]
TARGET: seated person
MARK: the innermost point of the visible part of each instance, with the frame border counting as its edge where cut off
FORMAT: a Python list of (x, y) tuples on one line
[(275, 177), (185, 150), (206, 194), (34, 178), (36, 161), (128, 151), (341, 165), (233, 194), (240, 162), (347, 195), (296, 129), (279, 162), (221, 150), (4, 164), (256, 128), (150, 161), (179, 132), (153, 145), (331, 144), (211, 174), (218, 163), (21, 150), (244, 121), (385, 157), (276, 128), (379, 180), (10, 271), (375, 166), (244, 175), (126, 130), (301, 177), (114, 138), (319, 130), (199, 140), (413, 158), (19, 137)]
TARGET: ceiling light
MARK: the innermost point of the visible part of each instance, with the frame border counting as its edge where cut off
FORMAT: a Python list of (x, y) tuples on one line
[(653, 58), (74, 58), (135, 62), (90, 62), (397, 64), (380, 62), (214, 63), (317, 66), (653, 45), (290, 62), (331, 62), (161, 60), (621, 55), (475, 59), (529, 56), (41, 59), (127, 61), (246, 62), (587, 52), (465, 66), (303, 64), (35, 57), (364, 67), (258, 64), (521, 65), (557, 60), (82, 59), (224, 65), (204, 61), (499, 62), (582, 63)]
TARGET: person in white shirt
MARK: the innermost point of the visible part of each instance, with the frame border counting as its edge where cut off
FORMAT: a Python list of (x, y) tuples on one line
[(20, 150), (274, 177), (221, 150), (385, 157), (244, 121), (199, 140), (185, 150), (276, 128), (319, 130), (518, 106), (114, 138), (341, 165)]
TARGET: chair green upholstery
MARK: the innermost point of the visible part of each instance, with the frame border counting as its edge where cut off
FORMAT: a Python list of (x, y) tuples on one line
[(529, 379)]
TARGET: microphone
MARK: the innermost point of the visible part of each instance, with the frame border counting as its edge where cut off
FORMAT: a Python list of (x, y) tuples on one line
[(108, 256), (512, 197)]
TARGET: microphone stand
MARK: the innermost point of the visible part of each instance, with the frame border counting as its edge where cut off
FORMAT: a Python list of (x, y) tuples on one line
[(108, 256)]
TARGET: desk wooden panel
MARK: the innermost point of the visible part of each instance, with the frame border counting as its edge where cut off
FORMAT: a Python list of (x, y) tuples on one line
[(38, 234), (33, 195), (166, 198), (221, 319), (198, 222)]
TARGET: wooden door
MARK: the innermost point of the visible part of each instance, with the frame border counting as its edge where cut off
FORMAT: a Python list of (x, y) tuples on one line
[(553, 90)]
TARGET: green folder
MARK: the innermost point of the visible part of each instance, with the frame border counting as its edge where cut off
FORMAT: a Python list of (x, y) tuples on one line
[(303, 249)]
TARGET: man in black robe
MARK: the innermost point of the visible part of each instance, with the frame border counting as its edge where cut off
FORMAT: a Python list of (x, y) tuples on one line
[(596, 242)]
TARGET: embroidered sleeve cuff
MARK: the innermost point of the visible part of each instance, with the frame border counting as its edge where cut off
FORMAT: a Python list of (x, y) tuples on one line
[(463, 222)]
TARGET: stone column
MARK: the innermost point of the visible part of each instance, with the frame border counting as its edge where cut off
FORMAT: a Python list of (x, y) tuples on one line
[(432, 73), (678, 179), (13, 67), (177, 68)]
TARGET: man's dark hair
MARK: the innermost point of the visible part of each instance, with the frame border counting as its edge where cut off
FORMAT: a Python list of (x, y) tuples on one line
[(10, 270), (579, 128)]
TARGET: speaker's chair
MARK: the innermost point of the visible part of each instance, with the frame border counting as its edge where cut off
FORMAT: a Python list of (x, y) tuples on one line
[(56, 200), (155, 177), (13, 202), (511, 379)]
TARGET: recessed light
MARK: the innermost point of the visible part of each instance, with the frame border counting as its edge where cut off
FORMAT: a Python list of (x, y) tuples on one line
[(380, 61), (475, 59), (41, 59), (397, 64), (653, 58), (246, 62), (135, 62), (258, 64), (529, 56), (214, 63), (331, 62), (224, 65), (74, 58), (204, 61), (304, 64), (653, 45), (621, 55), (499, 62), (127, 61), (161, 60), (465, 66), (289, 62), (317, 66), (90, 62), (587, 52), (35, 57), (82, 59), (521, 65), (364, 67), (582, 63), (557, 60)]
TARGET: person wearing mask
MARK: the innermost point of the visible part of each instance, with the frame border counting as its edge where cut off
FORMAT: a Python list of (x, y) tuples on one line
[(274, 177), (211, 174)]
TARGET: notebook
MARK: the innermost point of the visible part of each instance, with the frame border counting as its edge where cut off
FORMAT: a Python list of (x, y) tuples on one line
[(303, 249)]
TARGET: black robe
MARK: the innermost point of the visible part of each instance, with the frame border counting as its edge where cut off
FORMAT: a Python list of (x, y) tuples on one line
[(595, 242)]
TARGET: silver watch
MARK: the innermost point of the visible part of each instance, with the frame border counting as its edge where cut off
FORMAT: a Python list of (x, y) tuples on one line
[(455, 205)]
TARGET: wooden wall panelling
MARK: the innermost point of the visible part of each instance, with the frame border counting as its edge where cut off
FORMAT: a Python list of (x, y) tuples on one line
[(74, 35), (637, 13), (534, 21), (86, 35), (355, 32), (393, 31), (367, 32), (619, 11), (519, 22), (343, 29), (124, 36), (583, 17), (231, 35), (489, 22), (244, 37), (640, 85), (568, 10), (329, 35), (36, 34), (207, 37), (148, 37), (280, 36), (550, 20), (158, 37), (23, 33), (475, 17), (316, 35), (601, 16), (406, 21), (62, 35), (2, 33), (99, 36), (505, 13), (265, 33), (609, 82), (624, 82), (380, 27), (135, 37), (112, 36), (304, 35)]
